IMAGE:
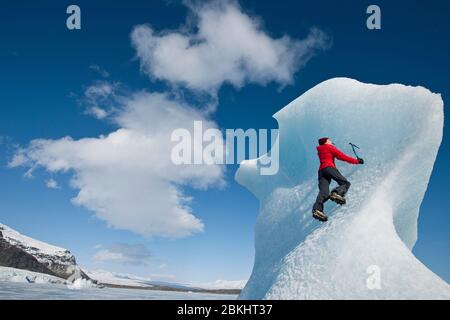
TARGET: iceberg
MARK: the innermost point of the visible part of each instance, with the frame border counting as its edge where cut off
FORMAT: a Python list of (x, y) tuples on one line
[(368, 241)]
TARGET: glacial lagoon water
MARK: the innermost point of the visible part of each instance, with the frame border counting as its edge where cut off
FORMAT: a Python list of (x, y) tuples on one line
[(36, 291)]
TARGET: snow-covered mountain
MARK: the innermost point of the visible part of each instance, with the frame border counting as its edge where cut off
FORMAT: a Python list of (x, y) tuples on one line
[(364, 250), (22, 252)]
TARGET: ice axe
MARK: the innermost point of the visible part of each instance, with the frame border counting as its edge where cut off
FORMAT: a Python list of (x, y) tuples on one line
[(353, 148)]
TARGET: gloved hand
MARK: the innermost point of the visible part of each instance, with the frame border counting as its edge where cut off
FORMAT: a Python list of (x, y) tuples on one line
[(361, 161)]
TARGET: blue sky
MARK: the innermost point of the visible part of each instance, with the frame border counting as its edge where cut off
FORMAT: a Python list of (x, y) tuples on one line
[(47, 69)]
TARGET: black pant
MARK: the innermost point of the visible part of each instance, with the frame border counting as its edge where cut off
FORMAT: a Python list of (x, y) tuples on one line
[(325, 176)]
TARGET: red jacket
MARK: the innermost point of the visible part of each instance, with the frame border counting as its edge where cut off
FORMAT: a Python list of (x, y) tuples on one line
[(327, 153)]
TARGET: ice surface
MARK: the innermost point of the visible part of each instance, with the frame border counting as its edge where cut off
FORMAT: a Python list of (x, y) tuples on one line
[(15, 290), (399, 129), (20, 288)]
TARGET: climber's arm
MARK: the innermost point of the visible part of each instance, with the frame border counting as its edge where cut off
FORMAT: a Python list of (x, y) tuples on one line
[(343, 157)]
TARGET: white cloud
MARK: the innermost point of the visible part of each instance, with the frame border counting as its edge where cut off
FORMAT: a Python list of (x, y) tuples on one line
[(162, 277), (99, 98), (124, 253), (102, 72), (105, 255), (102, 89), (227, 46), (52, 184), (98, 112), (126, 177)]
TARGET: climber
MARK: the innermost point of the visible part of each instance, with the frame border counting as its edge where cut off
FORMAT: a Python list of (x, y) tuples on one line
[(327, 172)]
